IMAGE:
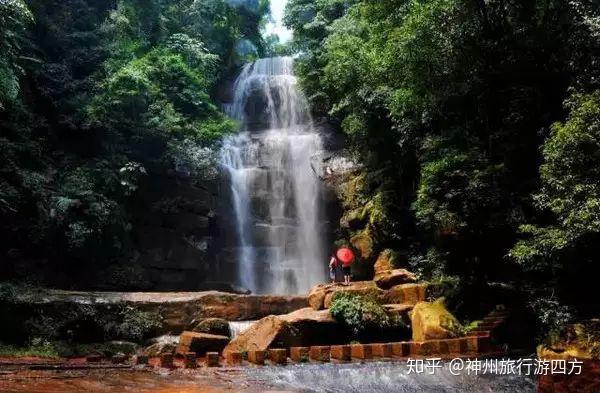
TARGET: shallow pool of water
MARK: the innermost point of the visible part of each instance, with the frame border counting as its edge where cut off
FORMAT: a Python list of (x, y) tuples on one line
[(384, 377)]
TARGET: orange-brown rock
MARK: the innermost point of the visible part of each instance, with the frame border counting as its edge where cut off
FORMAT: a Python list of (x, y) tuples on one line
[(201, 343), (386, 275), (384, 262), (320, 296), (390, 278), (363, 242), (262, 335), (303, 327), (432, 321)]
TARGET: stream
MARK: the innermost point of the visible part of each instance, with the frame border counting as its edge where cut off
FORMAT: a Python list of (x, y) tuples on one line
[(378, 377), (384, 377)]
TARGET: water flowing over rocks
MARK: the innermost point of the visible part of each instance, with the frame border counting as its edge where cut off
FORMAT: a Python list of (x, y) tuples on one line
[(274, 239)]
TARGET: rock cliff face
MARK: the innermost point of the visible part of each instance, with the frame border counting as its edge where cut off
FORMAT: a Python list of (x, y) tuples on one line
[(178, 310), (174, 237)]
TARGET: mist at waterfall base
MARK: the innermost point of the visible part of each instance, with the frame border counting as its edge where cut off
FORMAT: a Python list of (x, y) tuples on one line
[(272, 172), (379, 377)]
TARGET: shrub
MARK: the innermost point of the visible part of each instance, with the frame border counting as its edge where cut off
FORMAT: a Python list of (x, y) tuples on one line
[(134, 324), (359, 312)]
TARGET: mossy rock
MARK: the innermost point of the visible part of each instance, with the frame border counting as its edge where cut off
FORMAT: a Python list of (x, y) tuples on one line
[(364, 243), (216, 326), (351, 192), (432, 321), (353, 219)]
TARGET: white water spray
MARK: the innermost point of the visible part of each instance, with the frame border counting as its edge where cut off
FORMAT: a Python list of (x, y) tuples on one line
[(272, 167)]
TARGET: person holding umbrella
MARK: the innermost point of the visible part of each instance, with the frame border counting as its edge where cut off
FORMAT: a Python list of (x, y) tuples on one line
[(346, 256)]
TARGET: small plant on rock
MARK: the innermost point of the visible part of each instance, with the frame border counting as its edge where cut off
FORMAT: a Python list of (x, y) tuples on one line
[(360, 312)]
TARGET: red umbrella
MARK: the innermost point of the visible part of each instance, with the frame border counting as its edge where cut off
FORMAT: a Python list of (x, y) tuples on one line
[(345, 255)]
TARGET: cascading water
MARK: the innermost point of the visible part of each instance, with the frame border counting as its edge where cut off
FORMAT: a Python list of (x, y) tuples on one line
[(237, 327), (276, 194)]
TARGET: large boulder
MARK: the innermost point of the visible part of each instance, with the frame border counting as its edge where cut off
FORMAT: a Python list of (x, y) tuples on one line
[(303, 327), (390, 278), (216, 326), (386, 275), (261, 335), (320, 296), (432, 321), (200, 343)]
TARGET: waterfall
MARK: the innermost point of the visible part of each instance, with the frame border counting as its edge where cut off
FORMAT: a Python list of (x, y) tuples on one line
[(272, 168), (237, 327)]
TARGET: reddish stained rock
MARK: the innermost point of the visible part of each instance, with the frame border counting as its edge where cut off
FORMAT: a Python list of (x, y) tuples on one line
[(381, 350), (586, 382), (401, 349), (189, 360), (468, 345), (320, 353), (360, 351), (278, 356), (300, 354), (166, 360), (234, 358), (200, 343), (453, 345), (212, 359), (341, 352), (257, 357)]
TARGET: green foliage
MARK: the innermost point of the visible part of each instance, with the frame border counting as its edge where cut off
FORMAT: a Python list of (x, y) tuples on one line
[(134, 324), (570, 190), (114, 95), (14, 17), (359, 313), (447, 99), (37, 348), (85, 324)]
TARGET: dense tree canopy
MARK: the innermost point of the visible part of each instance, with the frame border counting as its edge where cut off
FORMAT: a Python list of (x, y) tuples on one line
[(98, 99), (450, 106)]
